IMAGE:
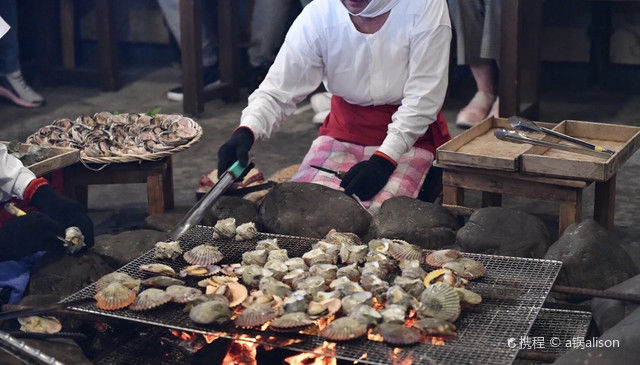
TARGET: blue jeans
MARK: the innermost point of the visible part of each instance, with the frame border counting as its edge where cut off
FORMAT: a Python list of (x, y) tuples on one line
[(9, 49)]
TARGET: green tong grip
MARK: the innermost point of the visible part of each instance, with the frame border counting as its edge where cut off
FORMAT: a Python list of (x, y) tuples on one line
[(237, 170)]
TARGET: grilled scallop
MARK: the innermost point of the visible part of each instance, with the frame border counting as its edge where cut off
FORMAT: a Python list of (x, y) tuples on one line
[(210, 311), (439, 301), (118, 277), (114, 296), (467, 268), (397, 334), (435, 327), (256, 315), (246, 231), (157, 269), (149, 299), (342, 238), (203, 255), (438, 258), (167, 250), (268, 244), (291, 322), (401, 251), (224, 228), (344, 328), (182, 294), (161, 281)]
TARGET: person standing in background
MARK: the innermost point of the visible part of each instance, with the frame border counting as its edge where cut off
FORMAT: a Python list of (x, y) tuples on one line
[(13, 87), (477, 25)]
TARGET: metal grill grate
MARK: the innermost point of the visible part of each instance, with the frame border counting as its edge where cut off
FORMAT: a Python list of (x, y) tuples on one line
[(513, 291)]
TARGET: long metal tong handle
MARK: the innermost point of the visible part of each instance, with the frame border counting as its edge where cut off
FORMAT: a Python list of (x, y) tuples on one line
[(32, 352), (513, 136), (577, 141), (195, 214)]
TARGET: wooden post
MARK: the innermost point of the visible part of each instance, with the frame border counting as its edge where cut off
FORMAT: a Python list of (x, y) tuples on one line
[(191, 45), (604, 207), (167, 184), (67, 33), (570, 211), (155, 194), (107, 45), (452, 195)]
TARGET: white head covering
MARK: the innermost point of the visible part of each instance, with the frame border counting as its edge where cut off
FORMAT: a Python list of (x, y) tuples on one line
[(376, 8)]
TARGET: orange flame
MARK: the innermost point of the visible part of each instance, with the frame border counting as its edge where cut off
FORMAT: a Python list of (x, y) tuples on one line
[(312, 358), (377, 305), (411, 319), (395, 359), (242, 352), (374, 336)]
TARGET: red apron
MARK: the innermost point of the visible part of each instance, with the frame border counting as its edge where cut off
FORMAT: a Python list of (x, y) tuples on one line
[(367, 125)]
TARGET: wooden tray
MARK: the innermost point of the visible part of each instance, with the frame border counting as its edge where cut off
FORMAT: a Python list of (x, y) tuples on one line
[(478, 147), (623, 139), (58, 158)]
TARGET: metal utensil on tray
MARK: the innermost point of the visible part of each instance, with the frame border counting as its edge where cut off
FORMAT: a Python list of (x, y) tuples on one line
[(514, 136), (526, 125)]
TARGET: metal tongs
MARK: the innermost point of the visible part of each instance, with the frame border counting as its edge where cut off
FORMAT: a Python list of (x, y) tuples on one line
[(517, 137), (526, 125)]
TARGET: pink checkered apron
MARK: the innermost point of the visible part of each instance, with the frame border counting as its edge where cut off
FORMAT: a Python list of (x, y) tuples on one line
[(352, 133)]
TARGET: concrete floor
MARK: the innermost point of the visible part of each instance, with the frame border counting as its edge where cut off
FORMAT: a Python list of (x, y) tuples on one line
[(115, 208)]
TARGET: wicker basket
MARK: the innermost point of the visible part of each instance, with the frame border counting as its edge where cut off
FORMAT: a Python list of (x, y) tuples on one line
[(127, 158)]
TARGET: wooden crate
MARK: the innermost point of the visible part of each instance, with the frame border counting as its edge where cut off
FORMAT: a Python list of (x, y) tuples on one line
[(58, 158), (478, 147), (625, 140)]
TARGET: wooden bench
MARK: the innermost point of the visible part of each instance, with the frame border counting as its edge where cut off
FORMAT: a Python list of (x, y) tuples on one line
[(493, 184), (158, 175)]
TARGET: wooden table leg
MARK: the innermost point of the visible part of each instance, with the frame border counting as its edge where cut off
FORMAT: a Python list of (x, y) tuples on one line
[(452, 195), (67, 33), (155, 194), (107, 45), (570, 212), (228, 53), (167, 184), (605, 203), (191, 45), (491, 199)]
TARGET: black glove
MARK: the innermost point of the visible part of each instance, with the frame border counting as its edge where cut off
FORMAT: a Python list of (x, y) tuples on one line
[(65, 211), (235, 149), (367, 178), (28, 234)]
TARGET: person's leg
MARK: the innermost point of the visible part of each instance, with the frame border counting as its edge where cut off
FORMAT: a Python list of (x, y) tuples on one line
[(491, 38), (171, 12), (12, 84), (468, 18)]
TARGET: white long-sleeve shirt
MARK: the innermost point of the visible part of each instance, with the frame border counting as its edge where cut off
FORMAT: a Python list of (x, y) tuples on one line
[(14, 177), (404, 63)]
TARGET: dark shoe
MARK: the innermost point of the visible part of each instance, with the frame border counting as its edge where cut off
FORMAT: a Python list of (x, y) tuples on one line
[(209, 79), (14, 88)]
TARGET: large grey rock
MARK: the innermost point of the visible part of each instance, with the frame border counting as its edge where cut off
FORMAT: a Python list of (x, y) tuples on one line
[(627, 352), (62, 276), (590, 259), (121, 248), (501, 231), (608, 312), (164, 222), (311, 210), (242, 210), (421, 223)]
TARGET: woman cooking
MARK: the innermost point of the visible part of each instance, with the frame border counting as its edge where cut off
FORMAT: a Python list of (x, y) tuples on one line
[(385, 62)]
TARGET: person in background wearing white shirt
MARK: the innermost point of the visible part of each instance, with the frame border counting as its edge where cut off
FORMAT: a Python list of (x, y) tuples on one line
[(385, 62)]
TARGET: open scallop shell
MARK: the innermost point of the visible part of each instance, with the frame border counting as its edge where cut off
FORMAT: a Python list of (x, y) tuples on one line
[(161, 281), (256, 315), (37, 324), (397, 334), (234, 291), (157, 269), (291, 322), (401, 251), (203, 255), (115, 296), (438, 258), (210, 311), (439, 301), (342, 238), (182, 294), (149, 299), (344, 329), (468, 297), (466, 268), (433, 275), (246, 231), (199, 271), (435, 327), (225, 228)]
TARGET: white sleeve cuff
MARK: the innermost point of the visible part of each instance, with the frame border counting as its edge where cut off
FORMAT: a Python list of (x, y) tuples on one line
[(393, 146), (22, 181), (255, 125)]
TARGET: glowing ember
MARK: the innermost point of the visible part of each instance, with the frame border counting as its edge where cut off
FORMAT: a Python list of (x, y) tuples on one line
[(395, 360), (242, 352), (210, 338), (374, 336), (362, 357), (411, 319), (438, 341), (327, 348), (377, 305)]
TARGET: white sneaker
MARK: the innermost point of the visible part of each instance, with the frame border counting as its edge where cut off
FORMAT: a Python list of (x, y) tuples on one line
[(175, 94), (476, 111), (14, 88), (320, 102), (320, 117)]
